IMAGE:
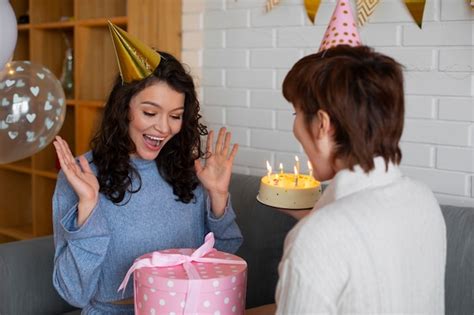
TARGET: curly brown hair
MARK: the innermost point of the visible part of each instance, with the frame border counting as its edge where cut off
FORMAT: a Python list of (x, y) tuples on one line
[(362, 92), (112, 145)]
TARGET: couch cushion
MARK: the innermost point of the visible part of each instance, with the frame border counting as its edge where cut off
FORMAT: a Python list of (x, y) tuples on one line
[(26, 287), (459, 277)]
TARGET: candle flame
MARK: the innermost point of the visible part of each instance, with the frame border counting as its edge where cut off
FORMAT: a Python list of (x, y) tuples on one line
[(269, 168), (310, 167), (296, 158), (281, 166)]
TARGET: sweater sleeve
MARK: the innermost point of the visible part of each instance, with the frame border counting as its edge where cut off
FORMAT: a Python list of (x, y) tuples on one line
[(226, 231), (79, 252)]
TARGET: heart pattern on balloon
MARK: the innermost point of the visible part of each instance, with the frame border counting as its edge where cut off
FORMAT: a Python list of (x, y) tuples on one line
[(31, 117), (17, 98), (42, 142), (35, 90), (30, 136), (13, 134), (12, 118), (47, 106), (32, 109), (49, 123)]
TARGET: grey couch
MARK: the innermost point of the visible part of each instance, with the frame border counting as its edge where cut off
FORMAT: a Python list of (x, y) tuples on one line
[(26, 266)]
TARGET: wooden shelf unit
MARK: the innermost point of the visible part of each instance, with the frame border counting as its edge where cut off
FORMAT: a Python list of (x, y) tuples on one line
[(26, 186)]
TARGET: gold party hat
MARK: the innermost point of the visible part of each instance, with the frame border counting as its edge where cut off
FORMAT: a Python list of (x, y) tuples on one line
[(135, 59)]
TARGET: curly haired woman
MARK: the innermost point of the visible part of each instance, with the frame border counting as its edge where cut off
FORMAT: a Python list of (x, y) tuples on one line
[(141, 188)]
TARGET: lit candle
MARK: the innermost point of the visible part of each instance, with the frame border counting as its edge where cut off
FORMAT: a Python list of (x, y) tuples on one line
[(297, 164), (310, 167), (269, 170), (281, 168), (296, 175)]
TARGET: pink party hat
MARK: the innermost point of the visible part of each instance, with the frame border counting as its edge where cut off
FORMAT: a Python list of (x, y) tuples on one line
[(342, 29)]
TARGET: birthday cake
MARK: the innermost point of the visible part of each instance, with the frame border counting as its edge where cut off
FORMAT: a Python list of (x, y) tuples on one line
[(289, 191)]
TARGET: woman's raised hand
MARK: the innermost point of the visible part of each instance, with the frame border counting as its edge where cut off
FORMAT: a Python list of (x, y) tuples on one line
[(215, 174), (80, 177)]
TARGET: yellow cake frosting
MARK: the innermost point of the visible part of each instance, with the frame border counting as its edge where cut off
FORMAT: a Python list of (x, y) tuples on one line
[(284, 191)]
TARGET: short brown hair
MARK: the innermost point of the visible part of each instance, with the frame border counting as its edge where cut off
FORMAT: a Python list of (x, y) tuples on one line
[(361, 91)]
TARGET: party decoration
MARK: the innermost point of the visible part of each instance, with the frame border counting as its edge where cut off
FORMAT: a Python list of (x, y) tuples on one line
[(364, 9), (312, 7), (416, 8), (32, 109), (135, 59), (342, 29), (8, 32), (271, 4)]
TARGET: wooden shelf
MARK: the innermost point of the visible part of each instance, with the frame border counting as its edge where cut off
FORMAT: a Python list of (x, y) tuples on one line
[(27, 186), (52, 174), (53, 25), (23, 27), (121, 21), (97, 22), (17, 168), (71, 102)]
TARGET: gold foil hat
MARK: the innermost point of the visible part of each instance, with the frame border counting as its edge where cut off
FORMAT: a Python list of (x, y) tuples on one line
[(135, 59)]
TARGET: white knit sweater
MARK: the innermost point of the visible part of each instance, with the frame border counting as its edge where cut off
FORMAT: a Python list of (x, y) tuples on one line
[(373, 244)]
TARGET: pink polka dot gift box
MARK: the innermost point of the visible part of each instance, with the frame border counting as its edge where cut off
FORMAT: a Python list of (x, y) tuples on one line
[(188, 281)]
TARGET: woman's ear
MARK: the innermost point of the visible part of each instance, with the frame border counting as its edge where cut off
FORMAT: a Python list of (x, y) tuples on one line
[(321, 125)]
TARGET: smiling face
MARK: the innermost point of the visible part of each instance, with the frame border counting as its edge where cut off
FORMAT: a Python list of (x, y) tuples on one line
[(156, 115)]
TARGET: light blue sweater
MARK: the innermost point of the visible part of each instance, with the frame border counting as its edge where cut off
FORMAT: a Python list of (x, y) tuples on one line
[(91, 261)]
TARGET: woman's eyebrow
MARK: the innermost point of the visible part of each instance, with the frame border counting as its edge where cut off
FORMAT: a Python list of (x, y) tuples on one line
[(159, 106)]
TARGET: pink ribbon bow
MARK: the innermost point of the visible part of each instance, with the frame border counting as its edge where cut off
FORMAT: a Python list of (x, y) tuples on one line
[(167, 260)]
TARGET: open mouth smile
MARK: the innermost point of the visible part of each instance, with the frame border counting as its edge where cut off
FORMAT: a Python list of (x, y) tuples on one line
[(153, 142)]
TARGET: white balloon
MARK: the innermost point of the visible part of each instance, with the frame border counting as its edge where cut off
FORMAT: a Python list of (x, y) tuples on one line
[(8, 32)]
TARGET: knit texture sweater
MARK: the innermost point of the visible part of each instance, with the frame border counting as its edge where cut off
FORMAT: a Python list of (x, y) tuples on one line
[(91, 260), (373, 244)]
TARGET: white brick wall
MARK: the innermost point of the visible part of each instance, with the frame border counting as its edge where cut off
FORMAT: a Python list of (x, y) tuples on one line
[(240, 55)]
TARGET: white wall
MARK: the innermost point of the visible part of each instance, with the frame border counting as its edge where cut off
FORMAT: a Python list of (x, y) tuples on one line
[(240, 55)]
